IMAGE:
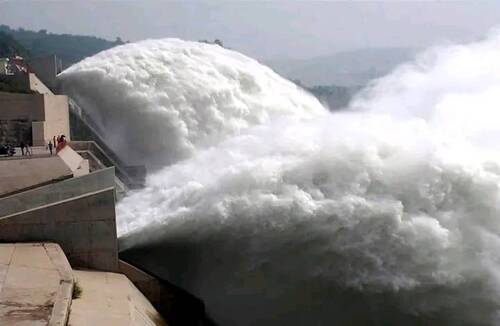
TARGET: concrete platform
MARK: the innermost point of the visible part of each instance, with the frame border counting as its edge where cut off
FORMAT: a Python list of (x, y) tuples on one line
[(110, 299), (36, 284), (35, 151), (26, 173)]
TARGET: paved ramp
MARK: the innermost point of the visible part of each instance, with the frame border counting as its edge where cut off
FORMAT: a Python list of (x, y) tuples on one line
[(111, 299), (36, 284)]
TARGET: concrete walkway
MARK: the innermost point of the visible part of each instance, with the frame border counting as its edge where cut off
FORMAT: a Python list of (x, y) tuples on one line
[(36, 152), (36, 284), (110, 299)]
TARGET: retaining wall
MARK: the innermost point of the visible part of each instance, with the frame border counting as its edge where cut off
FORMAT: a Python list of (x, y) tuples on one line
[(57, 192), (71, 213), (21, 174), (176, 305)]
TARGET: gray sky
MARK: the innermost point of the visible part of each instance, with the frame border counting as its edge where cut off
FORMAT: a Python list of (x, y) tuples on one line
[(265, 30)]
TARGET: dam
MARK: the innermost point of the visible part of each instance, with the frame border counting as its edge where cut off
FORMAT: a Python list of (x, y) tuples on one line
[(59, 256), (275, 211), (242, 194)]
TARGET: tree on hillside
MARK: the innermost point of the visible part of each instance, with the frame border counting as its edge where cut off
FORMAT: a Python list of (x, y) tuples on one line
[(70, 48), (216, 42), (9, 47)]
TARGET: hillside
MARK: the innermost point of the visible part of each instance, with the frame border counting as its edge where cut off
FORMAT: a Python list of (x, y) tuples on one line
[(332, 96), (10, 47), (70, 48), (351, 68)]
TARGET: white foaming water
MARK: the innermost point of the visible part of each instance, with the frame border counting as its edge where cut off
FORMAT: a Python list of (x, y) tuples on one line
[(159, 101), (387, 213)]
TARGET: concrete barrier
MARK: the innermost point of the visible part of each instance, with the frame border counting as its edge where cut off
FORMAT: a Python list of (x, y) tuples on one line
[(84, 227), (74, 161), (57, 192), (20, 174), (175, 304), (77, 213), (151, 287)]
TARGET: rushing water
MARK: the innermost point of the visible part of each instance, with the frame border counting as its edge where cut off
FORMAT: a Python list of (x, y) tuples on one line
[(275, 211)]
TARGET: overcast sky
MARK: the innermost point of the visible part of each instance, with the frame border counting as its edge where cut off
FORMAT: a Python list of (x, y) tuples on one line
[(265, 30)]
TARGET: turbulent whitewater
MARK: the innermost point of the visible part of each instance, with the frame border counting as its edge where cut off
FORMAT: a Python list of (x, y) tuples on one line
[(157, 102), (276, 212)]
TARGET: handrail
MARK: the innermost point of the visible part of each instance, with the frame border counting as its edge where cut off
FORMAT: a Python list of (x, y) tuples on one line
[(100, 149), (89, 124), (104, 158)]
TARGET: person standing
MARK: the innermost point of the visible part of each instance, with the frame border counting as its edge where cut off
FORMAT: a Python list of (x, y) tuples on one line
[(28, 150), (50, 146), (22, 145)]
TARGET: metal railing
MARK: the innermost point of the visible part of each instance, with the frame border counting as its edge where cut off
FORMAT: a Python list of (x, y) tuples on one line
[(132, 176)]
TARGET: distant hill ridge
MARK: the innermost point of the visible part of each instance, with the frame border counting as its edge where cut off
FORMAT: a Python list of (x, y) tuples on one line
[(348, 68), (339, 75), (69, 48)]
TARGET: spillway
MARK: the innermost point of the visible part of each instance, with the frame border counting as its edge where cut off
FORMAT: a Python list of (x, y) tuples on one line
[(275, 211)]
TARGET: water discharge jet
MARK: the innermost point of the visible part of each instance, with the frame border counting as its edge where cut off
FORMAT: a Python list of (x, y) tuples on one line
[(159, 101), (387, 213)]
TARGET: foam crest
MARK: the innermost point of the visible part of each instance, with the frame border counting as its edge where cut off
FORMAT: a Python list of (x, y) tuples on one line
[(158, 101)]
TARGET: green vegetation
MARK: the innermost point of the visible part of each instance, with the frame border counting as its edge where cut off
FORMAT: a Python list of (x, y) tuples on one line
[(69, 48), (216, 41), (9, 47), (333, 91), (77, 291), (12, 88), (335, 97)]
